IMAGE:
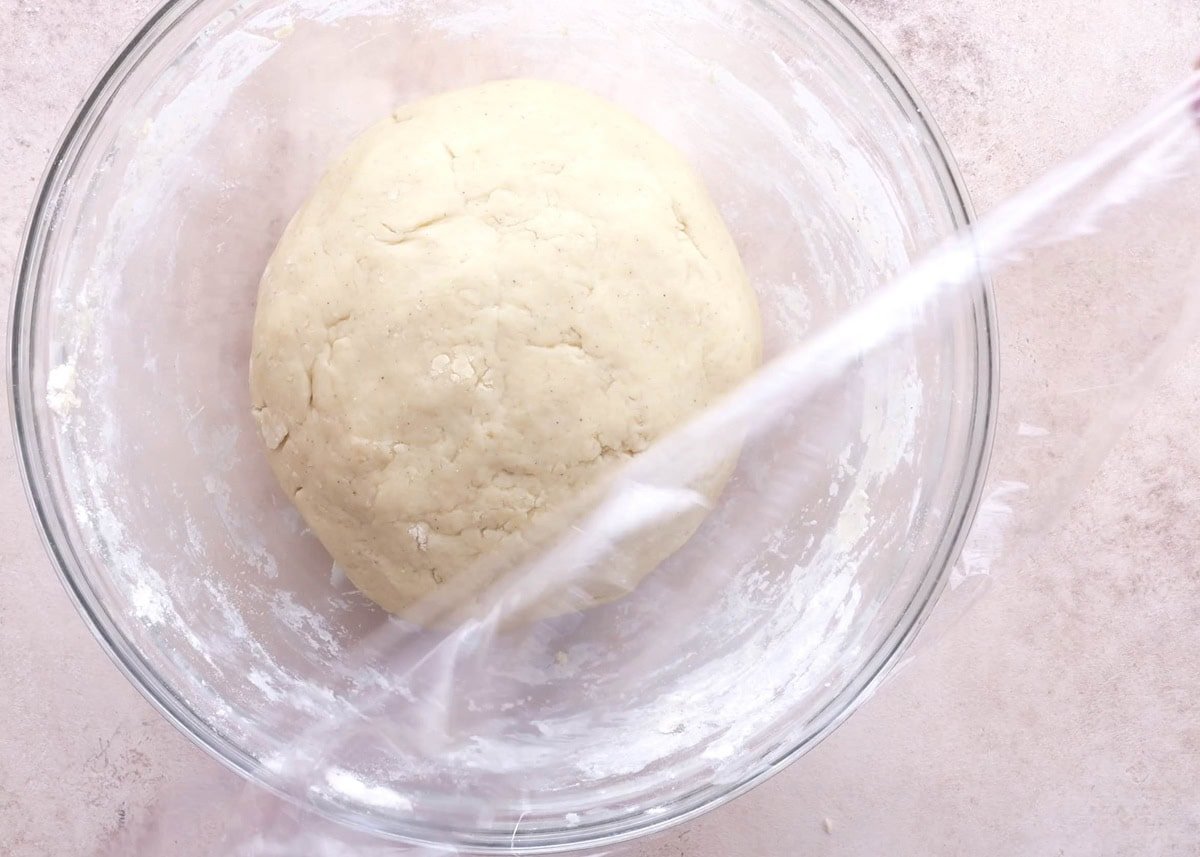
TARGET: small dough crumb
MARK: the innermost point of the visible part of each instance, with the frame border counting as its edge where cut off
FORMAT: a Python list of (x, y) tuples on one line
[(60, 389)]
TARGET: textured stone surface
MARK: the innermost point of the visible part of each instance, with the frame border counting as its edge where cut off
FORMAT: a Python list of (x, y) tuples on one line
[(1059, 716)]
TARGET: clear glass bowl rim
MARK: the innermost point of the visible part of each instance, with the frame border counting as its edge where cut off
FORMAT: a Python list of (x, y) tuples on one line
[(54, 187)]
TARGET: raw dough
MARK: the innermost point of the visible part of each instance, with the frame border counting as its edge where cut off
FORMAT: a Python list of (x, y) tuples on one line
[(492, 298)]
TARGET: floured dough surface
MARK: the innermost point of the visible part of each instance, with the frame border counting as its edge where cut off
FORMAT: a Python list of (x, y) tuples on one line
[(491, 299)]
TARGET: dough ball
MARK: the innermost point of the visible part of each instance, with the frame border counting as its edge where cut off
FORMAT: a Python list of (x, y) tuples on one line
[(493, 298)]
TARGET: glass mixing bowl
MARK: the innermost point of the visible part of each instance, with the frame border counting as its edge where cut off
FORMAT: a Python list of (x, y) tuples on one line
[(130, 340)]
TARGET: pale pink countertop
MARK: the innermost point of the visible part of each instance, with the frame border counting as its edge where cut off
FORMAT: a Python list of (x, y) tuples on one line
[(1059, 716)]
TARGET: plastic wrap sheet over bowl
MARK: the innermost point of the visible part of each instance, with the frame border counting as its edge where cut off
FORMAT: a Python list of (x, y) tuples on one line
[(131, 342)]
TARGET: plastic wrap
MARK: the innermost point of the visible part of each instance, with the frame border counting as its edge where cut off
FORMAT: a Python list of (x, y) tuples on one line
[(913, 429)]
